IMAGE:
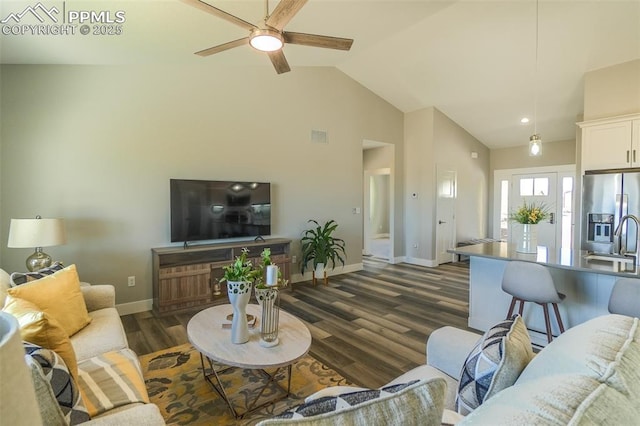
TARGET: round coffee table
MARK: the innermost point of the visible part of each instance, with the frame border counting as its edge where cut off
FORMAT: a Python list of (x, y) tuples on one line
[(206, 333)]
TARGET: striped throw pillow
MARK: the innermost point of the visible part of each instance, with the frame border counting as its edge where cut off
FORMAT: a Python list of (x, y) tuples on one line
[(111, 380)]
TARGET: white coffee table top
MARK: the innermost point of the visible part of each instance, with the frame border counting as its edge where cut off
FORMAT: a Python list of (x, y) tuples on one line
[(206, 334)]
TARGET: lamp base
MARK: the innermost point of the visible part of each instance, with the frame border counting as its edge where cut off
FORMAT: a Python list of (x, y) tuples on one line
[(38, 260)]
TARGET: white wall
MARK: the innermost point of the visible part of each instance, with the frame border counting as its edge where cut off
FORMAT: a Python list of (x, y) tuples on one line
[(97, 146)]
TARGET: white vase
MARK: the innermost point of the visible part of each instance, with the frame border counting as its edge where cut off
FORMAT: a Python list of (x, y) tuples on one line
[(528, 243), (239, 293), (267, 298), (319, 271)]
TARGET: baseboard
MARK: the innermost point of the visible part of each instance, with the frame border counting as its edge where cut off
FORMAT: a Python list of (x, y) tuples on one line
[(134, 307), (429, 263), (297, 277)]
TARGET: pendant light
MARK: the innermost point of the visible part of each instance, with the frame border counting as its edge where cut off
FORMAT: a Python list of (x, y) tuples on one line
[(535, 142)]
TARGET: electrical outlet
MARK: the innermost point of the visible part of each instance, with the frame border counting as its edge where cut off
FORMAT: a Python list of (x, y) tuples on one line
[(131, 281), (294, 259)]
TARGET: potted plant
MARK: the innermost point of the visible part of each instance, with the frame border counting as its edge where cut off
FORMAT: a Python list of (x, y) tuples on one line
[(320, 247), (239, 277)]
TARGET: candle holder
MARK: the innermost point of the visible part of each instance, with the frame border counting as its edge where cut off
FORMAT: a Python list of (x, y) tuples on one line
[(268, 299)]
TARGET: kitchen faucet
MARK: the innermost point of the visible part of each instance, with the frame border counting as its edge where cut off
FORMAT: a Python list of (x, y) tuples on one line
[(618, 236)]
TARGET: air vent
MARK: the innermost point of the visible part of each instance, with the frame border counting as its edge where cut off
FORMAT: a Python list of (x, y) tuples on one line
[(318, 136)]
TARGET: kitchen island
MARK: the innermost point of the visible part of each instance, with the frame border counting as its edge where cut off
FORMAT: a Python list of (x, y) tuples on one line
[(586, 280)]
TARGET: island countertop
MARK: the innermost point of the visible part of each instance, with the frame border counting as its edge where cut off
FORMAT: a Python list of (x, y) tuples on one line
[(563, 258), (585, 281)]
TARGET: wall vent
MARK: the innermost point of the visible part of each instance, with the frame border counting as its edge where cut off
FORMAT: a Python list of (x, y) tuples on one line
[(319, 136)]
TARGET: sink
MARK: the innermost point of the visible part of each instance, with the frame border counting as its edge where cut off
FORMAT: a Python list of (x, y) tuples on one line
[(610, 258)]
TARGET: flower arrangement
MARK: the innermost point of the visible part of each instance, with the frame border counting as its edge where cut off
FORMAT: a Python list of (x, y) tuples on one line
[(530, 213), (241, 269)]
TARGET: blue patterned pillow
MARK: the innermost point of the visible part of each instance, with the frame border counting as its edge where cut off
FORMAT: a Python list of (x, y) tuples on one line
[(19, 278), (494, 364), (64, 388)]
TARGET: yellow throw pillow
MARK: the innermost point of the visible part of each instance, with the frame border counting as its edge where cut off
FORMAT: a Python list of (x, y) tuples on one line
[(59, 296), (40, 329)]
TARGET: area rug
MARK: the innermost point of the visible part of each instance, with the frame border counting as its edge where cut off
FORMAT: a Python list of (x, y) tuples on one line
[(175, 383)]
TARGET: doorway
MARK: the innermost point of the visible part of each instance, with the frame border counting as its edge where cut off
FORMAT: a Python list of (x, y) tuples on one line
[(377, 223), (552, 186), (378, 200), (447, 181)]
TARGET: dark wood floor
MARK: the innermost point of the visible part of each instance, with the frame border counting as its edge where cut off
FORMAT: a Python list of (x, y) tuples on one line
[(370, 325)]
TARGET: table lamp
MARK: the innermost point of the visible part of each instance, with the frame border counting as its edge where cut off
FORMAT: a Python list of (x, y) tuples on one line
[(36, 233)]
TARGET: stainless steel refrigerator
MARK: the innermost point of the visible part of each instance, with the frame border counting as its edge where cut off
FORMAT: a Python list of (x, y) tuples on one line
[(606, 199)]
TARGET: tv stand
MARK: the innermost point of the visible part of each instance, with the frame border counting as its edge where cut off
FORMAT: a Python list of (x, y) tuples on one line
[(185, 279), (258, 238)]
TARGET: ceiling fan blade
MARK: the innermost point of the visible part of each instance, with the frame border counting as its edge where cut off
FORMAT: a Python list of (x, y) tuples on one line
[(279, 61), (318, 40), (223, 47), (206, 7), (284, 11)]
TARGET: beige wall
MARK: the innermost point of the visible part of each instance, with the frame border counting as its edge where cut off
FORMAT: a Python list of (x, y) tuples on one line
[(553, 154), (431, 138), (97, 146), (453, 147), (612, 91)]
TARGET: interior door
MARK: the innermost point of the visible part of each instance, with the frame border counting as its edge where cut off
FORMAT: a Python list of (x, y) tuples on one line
[(445, 213), (538, 188)]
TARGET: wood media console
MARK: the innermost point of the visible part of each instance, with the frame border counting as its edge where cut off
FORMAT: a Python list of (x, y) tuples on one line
[(185, 278)]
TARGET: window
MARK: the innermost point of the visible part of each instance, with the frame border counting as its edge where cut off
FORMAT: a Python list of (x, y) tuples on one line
[(530, 187), (567, 211), (504, 209)]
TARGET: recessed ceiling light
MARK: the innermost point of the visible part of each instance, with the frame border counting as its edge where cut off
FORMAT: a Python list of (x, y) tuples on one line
[(524, 120)]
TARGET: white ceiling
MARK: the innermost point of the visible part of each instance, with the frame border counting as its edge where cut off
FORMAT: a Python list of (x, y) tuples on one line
[(472, 59)]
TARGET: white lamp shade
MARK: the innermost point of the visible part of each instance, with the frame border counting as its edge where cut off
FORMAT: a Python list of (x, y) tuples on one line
[(25, 233), (18, 403)]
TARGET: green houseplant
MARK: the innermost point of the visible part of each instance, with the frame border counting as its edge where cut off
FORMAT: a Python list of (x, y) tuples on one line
[(241, 269), (320, 247)]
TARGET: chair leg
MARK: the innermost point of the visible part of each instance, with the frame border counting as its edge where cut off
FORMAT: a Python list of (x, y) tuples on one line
[(557, 312), (547, 321), (511, 307), (521, 310)]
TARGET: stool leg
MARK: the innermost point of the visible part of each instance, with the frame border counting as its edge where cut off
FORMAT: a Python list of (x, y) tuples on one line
[(511, 307), (557, 312), (547, 321)]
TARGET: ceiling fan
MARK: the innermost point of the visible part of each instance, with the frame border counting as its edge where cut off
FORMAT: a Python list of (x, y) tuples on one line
[(270, 37)]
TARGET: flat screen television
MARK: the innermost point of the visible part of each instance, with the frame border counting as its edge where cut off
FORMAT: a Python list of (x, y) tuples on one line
[(211, 210)]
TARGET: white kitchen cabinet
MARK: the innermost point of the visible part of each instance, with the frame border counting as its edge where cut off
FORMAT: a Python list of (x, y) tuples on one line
[(611, 143)]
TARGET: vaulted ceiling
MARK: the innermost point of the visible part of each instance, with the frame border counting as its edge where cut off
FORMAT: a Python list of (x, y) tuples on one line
[(472, 59)]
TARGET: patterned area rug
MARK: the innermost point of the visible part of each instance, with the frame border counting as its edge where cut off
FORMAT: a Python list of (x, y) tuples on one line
[(175, 383)]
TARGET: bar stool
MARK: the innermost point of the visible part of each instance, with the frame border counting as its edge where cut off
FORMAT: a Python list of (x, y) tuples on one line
[(532, 282), (625, 297)]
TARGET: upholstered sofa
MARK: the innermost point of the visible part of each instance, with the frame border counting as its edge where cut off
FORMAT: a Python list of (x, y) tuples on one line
[(98, 342), (588, 375)]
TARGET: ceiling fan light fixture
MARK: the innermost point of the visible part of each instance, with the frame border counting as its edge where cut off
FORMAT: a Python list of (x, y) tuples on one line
[(266, 40)]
